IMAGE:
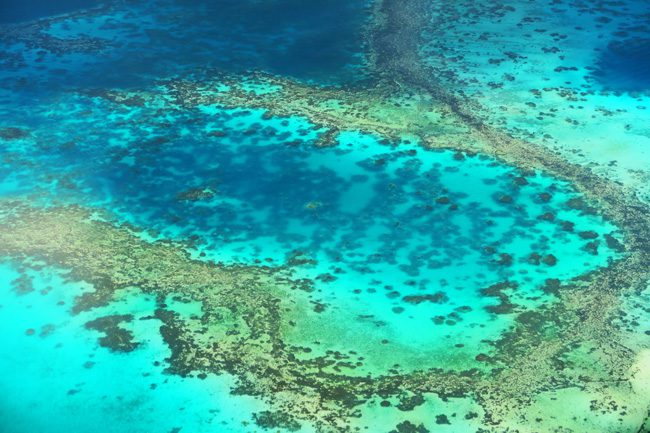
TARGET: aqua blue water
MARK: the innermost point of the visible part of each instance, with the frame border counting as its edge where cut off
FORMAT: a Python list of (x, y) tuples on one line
[(380, 223), (571, 76), (66, 382)]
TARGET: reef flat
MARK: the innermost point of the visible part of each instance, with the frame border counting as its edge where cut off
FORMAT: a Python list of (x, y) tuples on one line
[(549, 343)]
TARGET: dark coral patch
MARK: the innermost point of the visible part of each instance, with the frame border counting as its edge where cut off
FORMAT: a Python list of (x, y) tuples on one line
[(116, 338)]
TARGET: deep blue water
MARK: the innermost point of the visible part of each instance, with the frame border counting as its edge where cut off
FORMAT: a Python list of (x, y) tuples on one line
[(625, 66), (317, 41), (12, 11)]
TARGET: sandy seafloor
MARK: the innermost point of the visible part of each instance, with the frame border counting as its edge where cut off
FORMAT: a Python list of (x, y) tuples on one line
[(325, 216)]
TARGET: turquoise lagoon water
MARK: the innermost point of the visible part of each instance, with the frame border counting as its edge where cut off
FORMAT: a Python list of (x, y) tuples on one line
[(380, 222), (399, 241)]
